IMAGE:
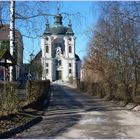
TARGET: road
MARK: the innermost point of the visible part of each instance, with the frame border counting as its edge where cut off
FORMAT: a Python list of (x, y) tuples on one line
[(75, 115)]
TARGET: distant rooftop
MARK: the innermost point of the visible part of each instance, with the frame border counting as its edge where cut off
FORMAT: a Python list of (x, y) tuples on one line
[(4, 33)]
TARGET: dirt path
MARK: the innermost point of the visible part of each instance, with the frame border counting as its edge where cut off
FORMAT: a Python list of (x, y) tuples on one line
[(75, 115)]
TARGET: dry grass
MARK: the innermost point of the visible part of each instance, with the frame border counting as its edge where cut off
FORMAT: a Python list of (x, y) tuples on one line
[(12, 121)]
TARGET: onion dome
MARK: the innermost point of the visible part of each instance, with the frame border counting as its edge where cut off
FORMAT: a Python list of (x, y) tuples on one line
[(70, 31), (58, 28), (58, 19)]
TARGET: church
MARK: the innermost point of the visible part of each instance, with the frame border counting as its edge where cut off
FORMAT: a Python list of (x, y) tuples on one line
[(59, 60)]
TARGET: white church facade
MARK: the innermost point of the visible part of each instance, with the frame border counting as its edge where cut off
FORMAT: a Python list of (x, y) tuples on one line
[(59, 59)]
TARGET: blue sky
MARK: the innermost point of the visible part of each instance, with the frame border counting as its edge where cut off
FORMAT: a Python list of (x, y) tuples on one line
[(81, 25)]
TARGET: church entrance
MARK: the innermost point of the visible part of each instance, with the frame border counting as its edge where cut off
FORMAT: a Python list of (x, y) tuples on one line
[(58, 75)]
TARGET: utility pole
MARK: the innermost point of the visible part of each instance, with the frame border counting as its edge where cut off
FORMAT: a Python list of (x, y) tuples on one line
[(12, 38)]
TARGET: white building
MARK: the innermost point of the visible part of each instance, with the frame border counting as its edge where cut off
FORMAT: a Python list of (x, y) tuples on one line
[(58, 52)]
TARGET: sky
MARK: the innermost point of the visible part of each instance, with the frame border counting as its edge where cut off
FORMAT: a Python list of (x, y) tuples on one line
[(81, 24)]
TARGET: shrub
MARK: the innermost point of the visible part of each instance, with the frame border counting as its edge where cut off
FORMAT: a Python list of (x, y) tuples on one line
[(110, 91), (35, 89), (9, 101)]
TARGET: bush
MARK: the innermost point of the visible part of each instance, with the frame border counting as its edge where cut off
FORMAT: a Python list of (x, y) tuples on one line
[(9, 101), (120, 91), (35, 89)]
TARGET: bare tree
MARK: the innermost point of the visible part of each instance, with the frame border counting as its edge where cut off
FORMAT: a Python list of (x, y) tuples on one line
[(12, 38), (114, 47)]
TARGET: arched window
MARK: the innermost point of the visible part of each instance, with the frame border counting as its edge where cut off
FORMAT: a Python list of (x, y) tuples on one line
[(70, 71), (47, 49), (70, 49), (70, 65), (47, 38), (47, 64), (70, 39), (47, 71)]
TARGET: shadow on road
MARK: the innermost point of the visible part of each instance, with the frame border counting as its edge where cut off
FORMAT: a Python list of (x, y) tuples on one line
[(69, 109), (61, 114), (66, 111)]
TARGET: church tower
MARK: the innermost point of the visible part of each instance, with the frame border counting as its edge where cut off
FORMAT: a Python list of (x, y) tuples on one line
[(58, 51)]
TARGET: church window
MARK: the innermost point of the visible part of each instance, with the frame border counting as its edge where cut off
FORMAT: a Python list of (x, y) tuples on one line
[(47, 64), (70, 49), (47, 38), (69, 71), (70, 39), (70, 65), (47, 49), (47, 71)]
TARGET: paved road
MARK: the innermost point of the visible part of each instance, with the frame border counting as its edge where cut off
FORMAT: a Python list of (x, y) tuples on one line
[(75, 115)]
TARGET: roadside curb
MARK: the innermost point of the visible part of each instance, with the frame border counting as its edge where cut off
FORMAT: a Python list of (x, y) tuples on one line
[(14, 131)]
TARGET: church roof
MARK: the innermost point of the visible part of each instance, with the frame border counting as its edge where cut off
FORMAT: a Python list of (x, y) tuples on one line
[(4, 34), (77, 57), (58, 28), (38, 56)]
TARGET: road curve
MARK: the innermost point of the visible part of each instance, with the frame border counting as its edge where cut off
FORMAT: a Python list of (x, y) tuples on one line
[(75, 115)]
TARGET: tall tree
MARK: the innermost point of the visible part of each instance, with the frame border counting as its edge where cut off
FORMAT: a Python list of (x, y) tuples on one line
[(115, 45)]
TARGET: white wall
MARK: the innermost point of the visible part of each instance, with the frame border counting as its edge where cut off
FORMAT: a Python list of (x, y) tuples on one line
[(66, 58)]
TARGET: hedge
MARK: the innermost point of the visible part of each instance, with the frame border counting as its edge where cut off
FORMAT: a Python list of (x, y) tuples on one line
[(120, 92), (9, 101), (35, 89)]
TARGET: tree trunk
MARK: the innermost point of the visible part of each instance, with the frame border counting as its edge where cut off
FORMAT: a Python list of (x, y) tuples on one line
[(12, 38)]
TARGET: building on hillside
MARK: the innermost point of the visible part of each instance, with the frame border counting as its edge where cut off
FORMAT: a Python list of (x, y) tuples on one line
[(59, 60), (4, 43)]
